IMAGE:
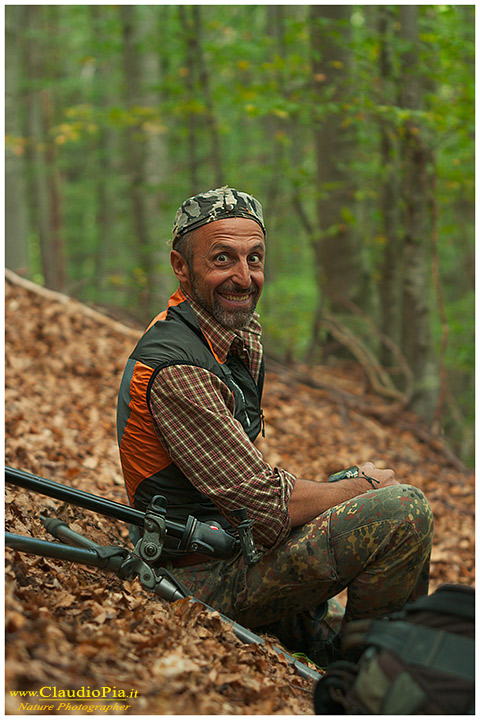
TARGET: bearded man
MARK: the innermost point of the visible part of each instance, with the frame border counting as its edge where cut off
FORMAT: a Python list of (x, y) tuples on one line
[(189, 412)]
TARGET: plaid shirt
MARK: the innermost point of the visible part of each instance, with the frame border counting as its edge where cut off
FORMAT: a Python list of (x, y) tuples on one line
[(193, 414)]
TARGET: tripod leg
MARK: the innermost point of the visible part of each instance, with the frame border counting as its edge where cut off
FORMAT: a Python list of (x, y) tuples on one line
[(85, 556), (63, 532)]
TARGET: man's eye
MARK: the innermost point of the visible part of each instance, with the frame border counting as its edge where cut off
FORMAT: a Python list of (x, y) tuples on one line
[(255, 258), (222, 257)]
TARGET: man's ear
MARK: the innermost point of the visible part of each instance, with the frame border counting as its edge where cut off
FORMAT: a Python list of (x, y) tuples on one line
[(180, 267)]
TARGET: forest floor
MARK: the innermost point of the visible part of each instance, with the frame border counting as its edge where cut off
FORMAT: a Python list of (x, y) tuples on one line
[(70, 627)]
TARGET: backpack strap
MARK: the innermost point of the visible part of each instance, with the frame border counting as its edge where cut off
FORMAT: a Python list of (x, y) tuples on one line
[(426, 647), (449, 601)]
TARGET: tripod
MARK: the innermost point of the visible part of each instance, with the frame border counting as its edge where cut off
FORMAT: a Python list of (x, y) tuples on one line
[(193, 536)]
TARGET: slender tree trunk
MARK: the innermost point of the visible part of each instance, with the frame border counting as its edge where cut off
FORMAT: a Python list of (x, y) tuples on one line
[(274, 150), (156, 189), (204, 78), (101, 162), (337, 250), (416, 334), (43, 178), (135, 156), (54, 260), (33, 132), (192, 119), (16, 210), (339, 268), (389, 194)]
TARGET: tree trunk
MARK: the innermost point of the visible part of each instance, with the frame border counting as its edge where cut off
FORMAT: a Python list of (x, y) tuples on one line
[(204, 78), (416, 335), (102, 151), (189, 78), (54, 259), (389, 194), (156, 189), (33, 132), (274, 151), (337, 250), (135, 157), (43, 179), (16, 210)]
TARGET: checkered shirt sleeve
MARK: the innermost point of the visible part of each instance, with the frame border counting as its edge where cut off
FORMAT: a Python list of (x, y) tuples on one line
[(193, 415)]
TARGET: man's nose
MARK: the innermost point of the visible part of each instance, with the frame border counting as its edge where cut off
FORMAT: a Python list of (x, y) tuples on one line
[(242, 275)]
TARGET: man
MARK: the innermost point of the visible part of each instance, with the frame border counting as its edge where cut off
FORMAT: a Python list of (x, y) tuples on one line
[(189, 412)]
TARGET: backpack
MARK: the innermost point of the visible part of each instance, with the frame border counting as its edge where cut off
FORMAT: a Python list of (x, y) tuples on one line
[(420, 661)]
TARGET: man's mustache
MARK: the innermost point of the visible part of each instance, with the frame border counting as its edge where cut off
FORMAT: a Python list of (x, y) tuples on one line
[(233, 288)]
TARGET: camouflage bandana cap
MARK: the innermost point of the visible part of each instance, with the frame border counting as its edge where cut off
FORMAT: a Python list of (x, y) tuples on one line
[(219, 204)]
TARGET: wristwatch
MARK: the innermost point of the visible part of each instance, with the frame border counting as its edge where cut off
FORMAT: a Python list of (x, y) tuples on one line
[(352, 472)]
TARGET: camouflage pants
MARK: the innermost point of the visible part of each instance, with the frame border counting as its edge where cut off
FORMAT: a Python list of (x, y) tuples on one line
[(376, 545)]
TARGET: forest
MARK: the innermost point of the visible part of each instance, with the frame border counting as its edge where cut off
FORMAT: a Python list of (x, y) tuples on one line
[(352, 124)]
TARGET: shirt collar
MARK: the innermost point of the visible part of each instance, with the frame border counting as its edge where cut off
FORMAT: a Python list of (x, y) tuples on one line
[(220, 338)]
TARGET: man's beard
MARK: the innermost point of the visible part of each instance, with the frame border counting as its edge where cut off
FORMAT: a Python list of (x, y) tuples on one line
[(229, 319)]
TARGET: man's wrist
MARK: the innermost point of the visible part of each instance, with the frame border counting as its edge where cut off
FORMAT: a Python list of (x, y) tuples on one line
[(351, 473), (358, 486), (373, 482)]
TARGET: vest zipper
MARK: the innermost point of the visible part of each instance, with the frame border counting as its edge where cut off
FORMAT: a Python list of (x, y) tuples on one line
[(262, 416), (247, 417)]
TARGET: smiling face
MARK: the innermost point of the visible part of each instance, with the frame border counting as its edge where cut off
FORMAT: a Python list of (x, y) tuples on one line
[(225, 275)]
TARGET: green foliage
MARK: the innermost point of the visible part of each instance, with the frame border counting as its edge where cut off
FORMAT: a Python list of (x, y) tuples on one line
[(132, 138), (287, 311)]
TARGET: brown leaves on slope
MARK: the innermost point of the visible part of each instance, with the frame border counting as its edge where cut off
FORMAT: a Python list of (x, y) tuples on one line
[(171, 659), (73, 626)]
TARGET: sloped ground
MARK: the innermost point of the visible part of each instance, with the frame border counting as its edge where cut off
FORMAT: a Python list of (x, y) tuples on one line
[(70, 626)]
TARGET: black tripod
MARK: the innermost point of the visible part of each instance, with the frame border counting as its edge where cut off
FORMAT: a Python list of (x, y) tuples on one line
[(193, 536)]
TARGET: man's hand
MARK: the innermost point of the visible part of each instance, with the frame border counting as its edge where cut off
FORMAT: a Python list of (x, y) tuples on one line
[(310, 499), (384, 477)]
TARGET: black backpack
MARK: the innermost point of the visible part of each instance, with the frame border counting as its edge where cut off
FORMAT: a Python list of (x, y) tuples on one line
[(420, 661)]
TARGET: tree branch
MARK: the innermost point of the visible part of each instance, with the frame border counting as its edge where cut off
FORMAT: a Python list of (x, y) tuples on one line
[(15, 279)]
